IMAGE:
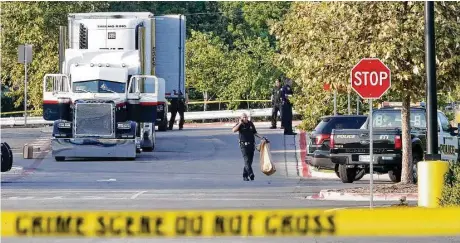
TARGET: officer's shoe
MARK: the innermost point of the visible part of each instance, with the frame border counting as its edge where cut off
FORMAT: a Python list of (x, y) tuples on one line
[(252, 177), (272, 127), (245, 179), (290, 133)]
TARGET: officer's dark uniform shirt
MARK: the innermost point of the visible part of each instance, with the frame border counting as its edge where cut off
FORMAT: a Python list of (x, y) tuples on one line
[(285, 91), (247, 131), (276, 92)]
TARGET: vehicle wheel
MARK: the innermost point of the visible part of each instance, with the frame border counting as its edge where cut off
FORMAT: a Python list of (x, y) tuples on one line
[(59, 158), (336, 170), (347, 175), (360, 174), (416, 157), (164, 124), (395, 175), (7, 158), (131, 158), (147, 149)]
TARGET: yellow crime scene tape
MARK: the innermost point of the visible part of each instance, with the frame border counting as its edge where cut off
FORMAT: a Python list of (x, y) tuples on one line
[(268, 223)]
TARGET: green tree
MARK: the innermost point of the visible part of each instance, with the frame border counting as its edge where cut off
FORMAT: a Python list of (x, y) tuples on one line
[(35, 23), (321, 42)]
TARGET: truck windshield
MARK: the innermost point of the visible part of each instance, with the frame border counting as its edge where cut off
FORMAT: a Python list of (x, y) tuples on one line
[(98, 86), (392, 119)]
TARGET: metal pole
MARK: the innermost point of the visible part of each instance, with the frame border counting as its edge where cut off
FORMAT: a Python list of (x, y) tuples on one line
[(25, 85), (432, 137), (335, 102), (349, 103), (357, 105), (371, 155)]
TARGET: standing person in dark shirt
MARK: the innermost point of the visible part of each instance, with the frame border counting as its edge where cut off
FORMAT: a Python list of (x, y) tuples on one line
[(286, 93), (247, 132), (178, 105), (276, 102)]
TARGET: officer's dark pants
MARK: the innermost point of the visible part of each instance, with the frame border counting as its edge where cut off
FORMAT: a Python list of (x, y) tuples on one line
[(275, 110), (175, 108), (287, 118), (248, 155)]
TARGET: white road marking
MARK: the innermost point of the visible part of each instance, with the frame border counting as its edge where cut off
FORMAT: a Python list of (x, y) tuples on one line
[(107, 180), (137, 194)]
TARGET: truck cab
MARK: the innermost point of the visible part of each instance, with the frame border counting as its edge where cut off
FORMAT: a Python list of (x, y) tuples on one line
[(350, 147), (108, 97)]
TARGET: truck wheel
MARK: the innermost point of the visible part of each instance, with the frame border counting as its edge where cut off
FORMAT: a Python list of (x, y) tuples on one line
[(395, 175), (360, 174), (59, 158), (347, 175), (336, 170), (164, 123)]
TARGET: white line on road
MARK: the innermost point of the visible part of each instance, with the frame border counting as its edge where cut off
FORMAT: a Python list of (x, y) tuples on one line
[(137, 194), (107, 180)]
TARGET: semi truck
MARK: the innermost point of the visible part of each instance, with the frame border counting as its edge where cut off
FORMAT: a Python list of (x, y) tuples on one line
[(116, 71)]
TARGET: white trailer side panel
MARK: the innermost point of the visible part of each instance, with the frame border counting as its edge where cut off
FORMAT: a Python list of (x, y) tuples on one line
[(170, 52)]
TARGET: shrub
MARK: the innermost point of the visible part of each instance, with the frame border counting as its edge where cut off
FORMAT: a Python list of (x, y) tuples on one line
[(451, 192)]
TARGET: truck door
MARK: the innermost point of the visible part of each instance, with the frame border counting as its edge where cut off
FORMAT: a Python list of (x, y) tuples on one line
[(56, 97), (448, 144), (142, 97)]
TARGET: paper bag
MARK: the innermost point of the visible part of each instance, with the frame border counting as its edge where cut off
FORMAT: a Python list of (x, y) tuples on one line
[(266, 165)]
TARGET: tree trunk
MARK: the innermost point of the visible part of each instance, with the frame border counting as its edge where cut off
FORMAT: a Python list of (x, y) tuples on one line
[(406, 172)]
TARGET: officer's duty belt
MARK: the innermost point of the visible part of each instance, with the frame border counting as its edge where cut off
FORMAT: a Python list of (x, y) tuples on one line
[(246, 143)]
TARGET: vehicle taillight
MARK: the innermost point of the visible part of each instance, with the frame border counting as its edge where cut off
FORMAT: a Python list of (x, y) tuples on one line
[(331, 142), (398, 142), (321, 137)]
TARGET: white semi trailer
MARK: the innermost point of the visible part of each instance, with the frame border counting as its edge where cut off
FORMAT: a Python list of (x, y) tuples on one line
[(111, 89)]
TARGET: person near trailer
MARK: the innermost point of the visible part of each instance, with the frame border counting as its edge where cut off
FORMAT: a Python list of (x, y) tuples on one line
[(286, 107), (276, 103), (247, 133), (178, 105)]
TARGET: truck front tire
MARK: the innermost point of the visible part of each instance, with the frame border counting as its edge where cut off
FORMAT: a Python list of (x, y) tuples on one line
[(395, 175), (347, 175)]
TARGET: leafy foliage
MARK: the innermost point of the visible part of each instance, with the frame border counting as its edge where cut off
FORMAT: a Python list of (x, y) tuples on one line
[(451, 191), (321, 42)]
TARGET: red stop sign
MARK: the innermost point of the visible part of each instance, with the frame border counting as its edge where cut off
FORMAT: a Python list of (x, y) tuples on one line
[(370, 78)]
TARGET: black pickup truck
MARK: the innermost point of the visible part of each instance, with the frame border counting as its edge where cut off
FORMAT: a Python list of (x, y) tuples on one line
[(349, 148)]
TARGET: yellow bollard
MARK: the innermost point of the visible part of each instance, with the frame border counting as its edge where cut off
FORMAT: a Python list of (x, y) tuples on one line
[(431, 182)]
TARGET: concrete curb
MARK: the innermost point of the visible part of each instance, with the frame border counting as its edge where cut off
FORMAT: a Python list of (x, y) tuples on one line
[(342, 196)]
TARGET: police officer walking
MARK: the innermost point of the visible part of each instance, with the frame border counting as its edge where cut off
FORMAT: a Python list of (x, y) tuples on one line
[(177, 105), (276, 103), (247, 132), (286, 93)]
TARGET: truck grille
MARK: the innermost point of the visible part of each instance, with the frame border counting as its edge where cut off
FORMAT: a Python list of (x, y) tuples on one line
[(94, 119)]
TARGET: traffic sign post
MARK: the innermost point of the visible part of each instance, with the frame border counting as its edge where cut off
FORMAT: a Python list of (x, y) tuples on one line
[(370, 78), (25, 56)]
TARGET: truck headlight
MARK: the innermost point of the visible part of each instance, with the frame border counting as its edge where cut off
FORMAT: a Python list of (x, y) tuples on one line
[(124, 125), (64, 125), (160, 107)]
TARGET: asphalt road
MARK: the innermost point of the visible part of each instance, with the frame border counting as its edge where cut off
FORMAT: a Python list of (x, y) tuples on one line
[(196, 168)]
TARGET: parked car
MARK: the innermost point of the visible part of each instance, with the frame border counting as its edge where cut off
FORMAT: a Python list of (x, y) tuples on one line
[(318, 140)]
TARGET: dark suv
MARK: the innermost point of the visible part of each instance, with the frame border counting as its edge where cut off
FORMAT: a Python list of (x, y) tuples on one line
[(318, 139)]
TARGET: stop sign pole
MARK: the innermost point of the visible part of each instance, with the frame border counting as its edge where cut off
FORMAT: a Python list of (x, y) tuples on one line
[(370, 78)]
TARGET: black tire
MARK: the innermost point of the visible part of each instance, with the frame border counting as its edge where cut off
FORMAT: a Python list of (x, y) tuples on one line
[(336, 170), (416, 157), (395, 175), (147, 149), (59, 158), (360, 174), (164, 123), (7, 158), (347, 175)]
